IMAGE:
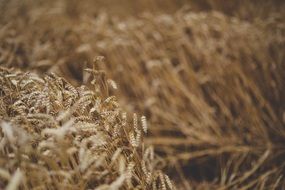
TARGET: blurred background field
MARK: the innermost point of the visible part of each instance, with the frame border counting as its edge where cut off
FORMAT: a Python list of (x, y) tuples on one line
[(208, 75)]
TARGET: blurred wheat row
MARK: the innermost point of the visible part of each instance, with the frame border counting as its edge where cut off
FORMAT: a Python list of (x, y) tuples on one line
[(208, 75)]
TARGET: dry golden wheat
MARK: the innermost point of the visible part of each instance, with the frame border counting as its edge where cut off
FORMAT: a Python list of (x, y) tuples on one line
[(43, 145), (207, 75)]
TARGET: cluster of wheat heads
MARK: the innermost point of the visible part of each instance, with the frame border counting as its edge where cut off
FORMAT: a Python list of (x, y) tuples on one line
[(57, 136), (212, 86)]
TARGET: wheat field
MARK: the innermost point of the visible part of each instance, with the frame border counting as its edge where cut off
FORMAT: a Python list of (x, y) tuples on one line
[(146, 94)]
